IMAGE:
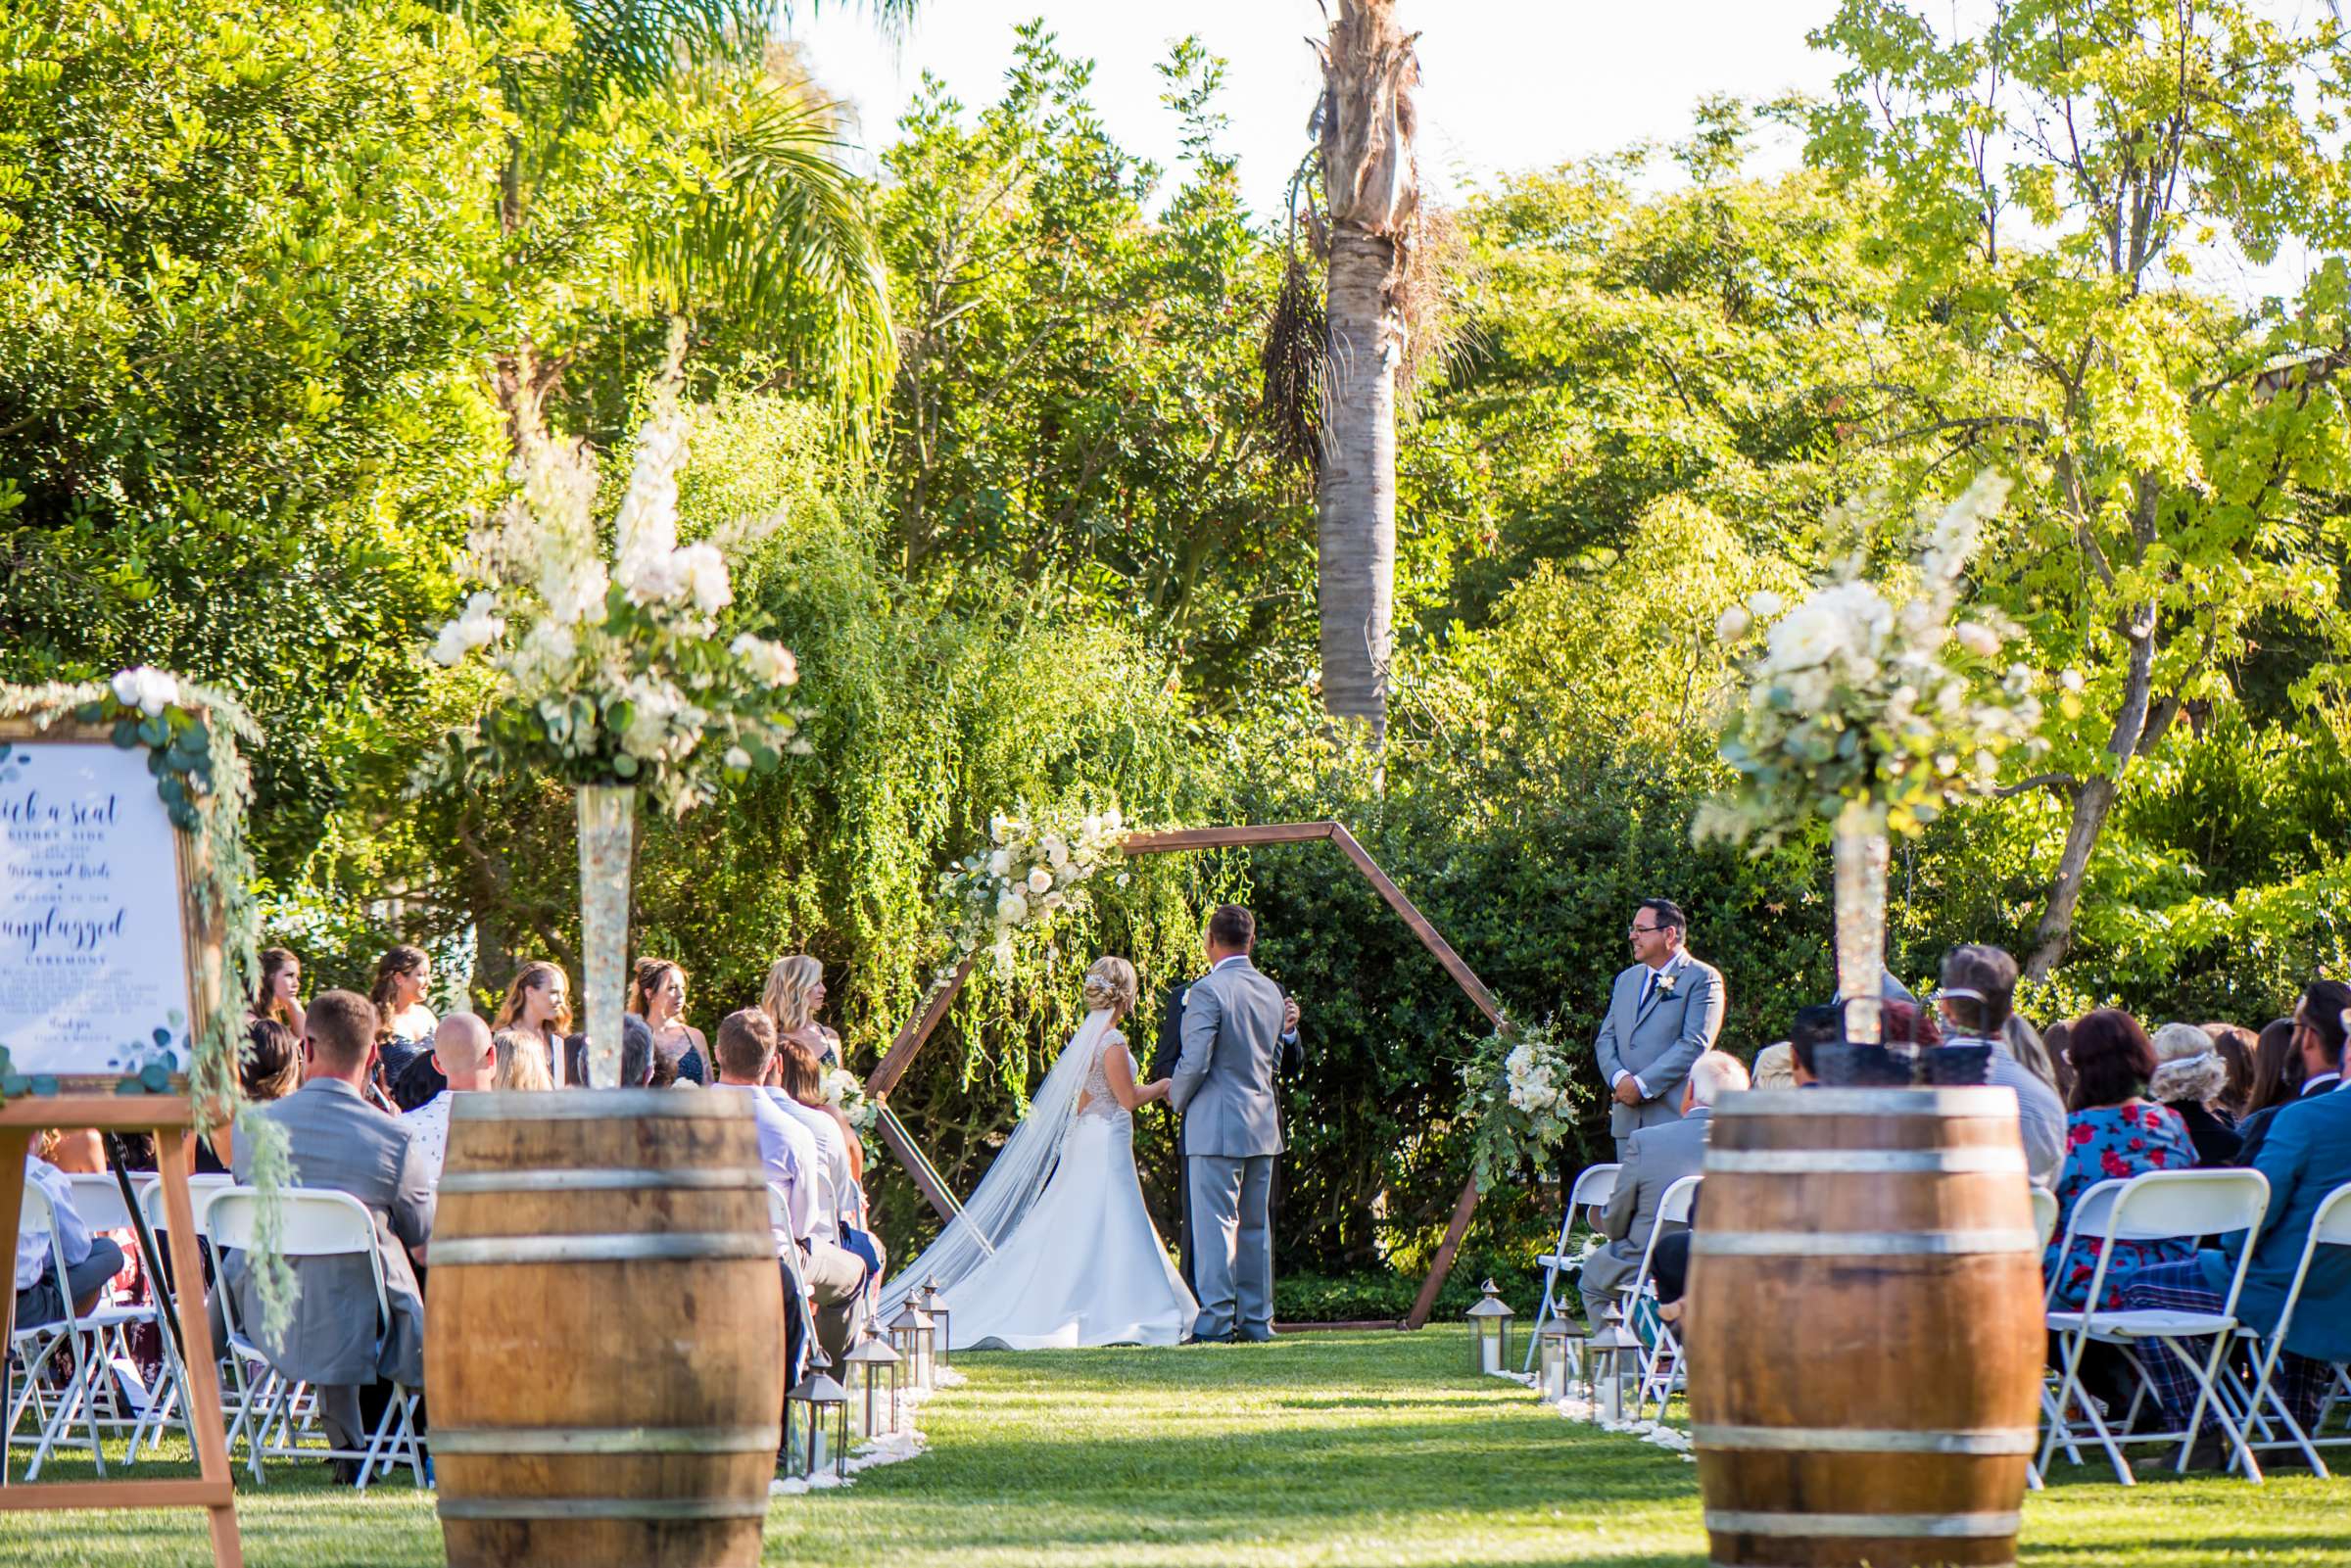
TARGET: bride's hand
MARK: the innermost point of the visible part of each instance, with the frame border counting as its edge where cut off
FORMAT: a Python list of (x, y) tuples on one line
[(1158, 1090)]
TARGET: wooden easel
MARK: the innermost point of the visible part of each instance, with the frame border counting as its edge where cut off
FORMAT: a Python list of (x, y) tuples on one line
[(90, 1102), (167, 1116)]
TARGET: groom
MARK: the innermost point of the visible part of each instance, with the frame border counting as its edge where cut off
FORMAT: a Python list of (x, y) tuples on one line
[(1224, 1090)]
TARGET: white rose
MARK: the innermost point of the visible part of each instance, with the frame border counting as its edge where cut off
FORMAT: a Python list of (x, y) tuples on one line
[(1055, 901), (999, 828), (1057, 853), (1011, 910), (736, 758), (149, 691), (769, 663), (999, 864), (1733, 625), (704, 573), (1811, 634), (1763, 605), (1040, 881), (652, 577), (2071, 680), (1112, 821), (1978, 639)]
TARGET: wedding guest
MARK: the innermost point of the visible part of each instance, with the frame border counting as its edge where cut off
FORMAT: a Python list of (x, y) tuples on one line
[(2319, 1037), (2278, 1072), (2059, 1037), (797, 1085), (2235, 1047), (2113, 1130), (516, 1064), (1821, 1023), (835, 1278), (270, 1067), (274, 997), (2306, 1154), (338, 1141), (534, 1017), (795, 990), (657, 995), (2190, 1078), (1976, 1000), (637, 1056), (405, 1030), (90, 1260), (1655, 1156), (463, 1051), (1774, 1067)]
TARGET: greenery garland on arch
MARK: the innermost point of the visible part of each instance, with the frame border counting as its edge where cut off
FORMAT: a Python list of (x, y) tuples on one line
[(192, 735)]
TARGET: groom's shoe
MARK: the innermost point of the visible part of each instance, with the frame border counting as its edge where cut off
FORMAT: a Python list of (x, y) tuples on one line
[(1258, 1336)]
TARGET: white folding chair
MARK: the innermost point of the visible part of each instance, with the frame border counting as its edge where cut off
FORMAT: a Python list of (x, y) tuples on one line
[(168, 1408), (2329, 1226), (1593, 1185), (98, 1200), (2045, 1225), (1661, 1355), (2159, 1206), (314, 1222), (84, 1335)]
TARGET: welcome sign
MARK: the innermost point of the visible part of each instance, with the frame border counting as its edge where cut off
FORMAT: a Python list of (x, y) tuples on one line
[(94, 955)]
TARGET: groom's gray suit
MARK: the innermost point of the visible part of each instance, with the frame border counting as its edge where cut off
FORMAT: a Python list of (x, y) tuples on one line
[(1223, 1087), (1654, 1028)]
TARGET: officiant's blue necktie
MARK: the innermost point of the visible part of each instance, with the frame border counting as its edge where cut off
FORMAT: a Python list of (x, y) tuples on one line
[(1648, 985)]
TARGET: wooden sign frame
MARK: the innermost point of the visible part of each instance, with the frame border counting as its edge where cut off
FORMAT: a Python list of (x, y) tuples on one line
[(918, 1030), (87, 1100)]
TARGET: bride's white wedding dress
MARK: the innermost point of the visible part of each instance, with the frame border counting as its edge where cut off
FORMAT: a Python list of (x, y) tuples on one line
[(1056, 1250)]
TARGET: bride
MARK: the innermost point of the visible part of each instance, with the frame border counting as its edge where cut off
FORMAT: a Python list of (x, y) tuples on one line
[(1055, 1249)]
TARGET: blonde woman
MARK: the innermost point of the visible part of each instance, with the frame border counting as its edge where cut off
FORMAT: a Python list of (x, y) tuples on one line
[(1055, 1248), (796, 989), (517, 1063), (535, 1016)]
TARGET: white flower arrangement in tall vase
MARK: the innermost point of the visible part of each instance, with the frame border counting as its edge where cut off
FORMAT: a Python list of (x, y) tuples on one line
[(1872, 706), (612, 670)]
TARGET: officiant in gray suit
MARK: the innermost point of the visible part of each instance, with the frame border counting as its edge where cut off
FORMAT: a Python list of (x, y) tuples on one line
[(1223, 1087), (1664, 1013)]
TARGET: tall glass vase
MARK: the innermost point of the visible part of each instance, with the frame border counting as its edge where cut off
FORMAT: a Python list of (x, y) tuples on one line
[(608, 850), (1862, 855)]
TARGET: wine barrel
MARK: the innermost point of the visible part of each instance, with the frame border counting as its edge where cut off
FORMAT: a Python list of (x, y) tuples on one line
[(1865, 1328), (604, 1323)]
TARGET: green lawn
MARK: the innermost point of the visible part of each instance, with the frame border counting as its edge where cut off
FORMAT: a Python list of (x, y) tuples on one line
[(1371, 1448)]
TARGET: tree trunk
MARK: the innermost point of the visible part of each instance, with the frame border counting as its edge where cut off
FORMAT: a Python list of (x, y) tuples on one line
[(1355, 503)]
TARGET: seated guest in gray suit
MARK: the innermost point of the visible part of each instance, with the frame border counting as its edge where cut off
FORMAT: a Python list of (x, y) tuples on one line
[(337, 1140), (1656, 1158), (1662, 1012)]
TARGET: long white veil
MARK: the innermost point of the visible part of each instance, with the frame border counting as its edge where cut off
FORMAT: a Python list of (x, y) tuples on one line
[(1013, 1183)]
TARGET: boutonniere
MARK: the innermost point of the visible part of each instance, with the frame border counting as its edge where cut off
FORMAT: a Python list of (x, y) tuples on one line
[(1666, 980)]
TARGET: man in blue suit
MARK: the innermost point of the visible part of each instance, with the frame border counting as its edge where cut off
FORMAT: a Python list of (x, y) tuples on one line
[(2306, 1156)]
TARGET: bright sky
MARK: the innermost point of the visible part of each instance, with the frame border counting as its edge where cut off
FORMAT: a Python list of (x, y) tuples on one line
[(1507, 85)]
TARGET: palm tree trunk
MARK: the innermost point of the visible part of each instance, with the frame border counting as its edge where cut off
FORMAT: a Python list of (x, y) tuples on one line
[(1356, 498)]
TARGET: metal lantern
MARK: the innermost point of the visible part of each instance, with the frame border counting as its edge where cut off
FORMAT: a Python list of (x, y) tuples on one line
[(823, 1406), (1613, 1366), (873, 1373), (1490, 1331), (1558, 1361), (913, 1336), (942, 1342)]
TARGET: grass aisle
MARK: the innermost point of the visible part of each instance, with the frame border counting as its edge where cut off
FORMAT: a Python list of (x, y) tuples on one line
[(1357, 1449)]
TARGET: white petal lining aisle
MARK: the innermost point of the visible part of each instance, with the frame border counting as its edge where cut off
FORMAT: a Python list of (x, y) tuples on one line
[(870, 1453)]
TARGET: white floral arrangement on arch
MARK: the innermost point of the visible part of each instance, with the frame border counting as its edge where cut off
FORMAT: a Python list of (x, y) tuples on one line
[(1520, 1089), (1870, 700), (615, 674), (1033, 870)]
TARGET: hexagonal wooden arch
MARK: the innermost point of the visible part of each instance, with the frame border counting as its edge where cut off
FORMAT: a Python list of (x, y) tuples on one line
[(910, 1039)]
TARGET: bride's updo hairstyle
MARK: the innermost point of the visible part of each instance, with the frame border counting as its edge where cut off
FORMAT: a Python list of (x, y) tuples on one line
[(1110, 984)]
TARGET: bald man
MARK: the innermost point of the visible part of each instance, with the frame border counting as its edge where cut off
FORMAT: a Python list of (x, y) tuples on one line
[(461, 1053)]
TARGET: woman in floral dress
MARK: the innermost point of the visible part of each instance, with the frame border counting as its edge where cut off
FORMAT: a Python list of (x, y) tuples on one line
[(2113, 1130)]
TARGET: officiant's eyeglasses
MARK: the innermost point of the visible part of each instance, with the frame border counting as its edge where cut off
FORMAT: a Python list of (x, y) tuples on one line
[(1641, 931)]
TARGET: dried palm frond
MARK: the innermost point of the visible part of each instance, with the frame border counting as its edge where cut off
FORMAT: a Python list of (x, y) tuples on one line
[(1290, 404)]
